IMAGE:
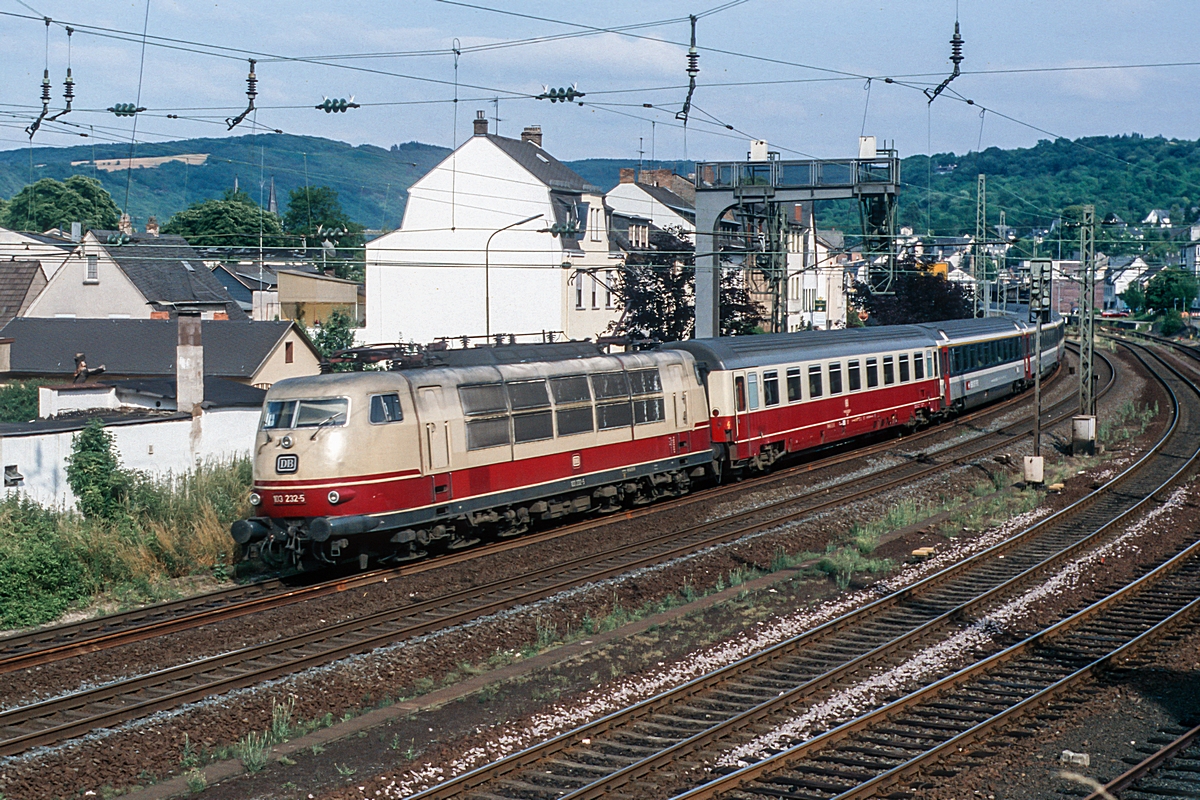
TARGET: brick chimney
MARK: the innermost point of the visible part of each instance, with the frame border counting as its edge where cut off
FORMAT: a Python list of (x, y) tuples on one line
[(481, 123), (628, 175), (189, 364), (532, 134), (152, 226), (125, 226)]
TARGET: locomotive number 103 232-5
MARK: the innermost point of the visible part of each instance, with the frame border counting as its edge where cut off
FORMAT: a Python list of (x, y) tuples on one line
[(289, 499)]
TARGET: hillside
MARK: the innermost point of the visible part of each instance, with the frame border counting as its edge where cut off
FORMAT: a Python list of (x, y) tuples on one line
[(1126, 175)]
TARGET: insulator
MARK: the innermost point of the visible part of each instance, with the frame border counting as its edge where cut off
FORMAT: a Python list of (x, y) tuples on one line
[(693, 63), (252, 82), (69, 87), (46, 87), (956, 46)]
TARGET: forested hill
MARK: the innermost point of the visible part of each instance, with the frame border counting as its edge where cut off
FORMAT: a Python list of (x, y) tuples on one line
[(1126, 175)]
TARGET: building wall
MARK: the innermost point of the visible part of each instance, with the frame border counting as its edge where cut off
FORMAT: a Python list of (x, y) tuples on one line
[(160, 448), (19, 247), (69, 293), (276, 366), (631, 200)]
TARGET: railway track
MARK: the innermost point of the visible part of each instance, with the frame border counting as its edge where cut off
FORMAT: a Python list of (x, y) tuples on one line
[(1173, 771), (63, 717), (680, 730), (47, 645)]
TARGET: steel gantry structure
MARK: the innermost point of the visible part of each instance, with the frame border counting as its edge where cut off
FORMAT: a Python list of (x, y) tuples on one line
[(722, 185)]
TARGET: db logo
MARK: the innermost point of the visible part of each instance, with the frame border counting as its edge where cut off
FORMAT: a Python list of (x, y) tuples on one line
[(287, 463)]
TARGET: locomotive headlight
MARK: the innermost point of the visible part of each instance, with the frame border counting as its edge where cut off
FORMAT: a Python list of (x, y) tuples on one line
[(334, 498), (255, 499), (285, 442)]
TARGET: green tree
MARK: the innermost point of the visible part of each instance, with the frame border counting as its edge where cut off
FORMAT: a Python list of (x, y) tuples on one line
[(335, 334), (54, 204), (232, 221), (316, 214), (1133, 297), (1169, 289), (916, 296), (94, 473)]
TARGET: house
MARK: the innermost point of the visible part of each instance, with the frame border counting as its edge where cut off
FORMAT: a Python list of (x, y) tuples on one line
[(133, 276), (49, 250), (253, 353), (817, 284), (1158, 216), (253, 288), (495, 240), (660, 205), (1122, 272)]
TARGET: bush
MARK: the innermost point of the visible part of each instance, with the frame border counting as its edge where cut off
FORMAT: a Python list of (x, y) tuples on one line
[(1171, 323), (41, 573), (19, 401), (94, 473)]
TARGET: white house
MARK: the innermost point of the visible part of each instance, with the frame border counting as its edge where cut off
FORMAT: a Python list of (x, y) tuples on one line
[(653, 197), (498, 238), (816, 293)]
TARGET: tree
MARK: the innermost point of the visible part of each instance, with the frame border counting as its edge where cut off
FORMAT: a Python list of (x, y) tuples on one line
[(1133, 297), (233, 221), (917, 296), (315, 213), (52, 204), (657, 292), (335, 334), (94, 473), (1170, 288)]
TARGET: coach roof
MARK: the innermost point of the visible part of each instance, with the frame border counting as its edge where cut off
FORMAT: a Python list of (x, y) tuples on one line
[(748, 352)]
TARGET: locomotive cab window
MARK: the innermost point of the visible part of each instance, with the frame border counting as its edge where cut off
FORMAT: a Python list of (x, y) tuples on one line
[(918, 367), (278, 414), (386, 408), (853, 377), (904, 368), (872, 373), (323, 412), (835, 378), (814, 381), (795, 385), (771, 388), (889, 371)]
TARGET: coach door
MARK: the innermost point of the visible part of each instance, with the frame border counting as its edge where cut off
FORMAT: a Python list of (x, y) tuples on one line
[(432, 412), (745, 392)]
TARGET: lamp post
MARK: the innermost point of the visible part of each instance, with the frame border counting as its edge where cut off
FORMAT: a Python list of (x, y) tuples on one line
[(487, 284)]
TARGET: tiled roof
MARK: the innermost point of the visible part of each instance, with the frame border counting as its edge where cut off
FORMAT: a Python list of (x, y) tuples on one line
[(167, 271), (543, 166), (16, 277)]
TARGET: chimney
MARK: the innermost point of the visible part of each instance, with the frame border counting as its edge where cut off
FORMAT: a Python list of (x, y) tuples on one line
[(152, 226), (532, 134), (125, 226), (76, 231), (480, 123), (628, 174), (189, 364)]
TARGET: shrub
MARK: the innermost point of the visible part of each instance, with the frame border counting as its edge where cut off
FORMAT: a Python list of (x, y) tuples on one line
[(94, 472), (19, 401)]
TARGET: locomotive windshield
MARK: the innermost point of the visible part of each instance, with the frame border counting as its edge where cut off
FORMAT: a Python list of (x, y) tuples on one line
[(305, 413)]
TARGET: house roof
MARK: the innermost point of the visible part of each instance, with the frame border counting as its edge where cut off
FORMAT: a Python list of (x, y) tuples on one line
[(668, 198), (15, 280), (218, 392), (543, 166), (167, 271), (142, 347)]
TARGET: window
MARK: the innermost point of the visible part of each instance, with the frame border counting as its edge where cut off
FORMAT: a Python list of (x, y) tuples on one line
[(648, 410), (532, 427), (644, 381), (889, 371), (739, 389), (930, 364), (853, 376), (610, 384), (485, 433), (771, 388), (614, 415), (594, 292), (326, 411), (795, 385), (814, 381), (918, 367), (608, 289), (13, 476), (386, 408), (289, 353), (753, 376), (527, 394), (574, 420), (484, 398), (597, 225), (578, 289), (93, 269), (573, 389), (872, 373), (278, 414), (835, 378), (904, 368)]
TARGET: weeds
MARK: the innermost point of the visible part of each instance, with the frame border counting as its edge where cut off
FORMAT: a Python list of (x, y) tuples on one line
[(1127, 422), (843, 563), (190, 757), (196, 782), (252, 750), (344, 770), (281, 720)]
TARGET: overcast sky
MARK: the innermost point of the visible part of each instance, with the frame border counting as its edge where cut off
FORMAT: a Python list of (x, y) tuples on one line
[(812, 111)]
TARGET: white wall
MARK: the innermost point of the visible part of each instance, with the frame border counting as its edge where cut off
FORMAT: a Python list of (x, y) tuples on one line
[(631, 199), (159, 447)]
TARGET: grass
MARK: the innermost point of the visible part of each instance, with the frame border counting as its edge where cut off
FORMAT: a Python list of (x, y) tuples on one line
[(52, 560), (843, 563), (1127, 422)]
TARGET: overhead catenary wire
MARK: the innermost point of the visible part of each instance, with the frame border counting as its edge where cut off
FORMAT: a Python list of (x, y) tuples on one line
[(138, 103)]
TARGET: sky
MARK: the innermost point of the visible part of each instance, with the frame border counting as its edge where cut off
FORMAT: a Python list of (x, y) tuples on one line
[(809, 77)]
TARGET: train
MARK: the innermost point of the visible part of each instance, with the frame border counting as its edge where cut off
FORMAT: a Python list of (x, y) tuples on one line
[(439, 452)]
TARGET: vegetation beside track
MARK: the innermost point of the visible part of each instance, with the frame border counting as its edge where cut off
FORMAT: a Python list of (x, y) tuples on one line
[(135, 535)]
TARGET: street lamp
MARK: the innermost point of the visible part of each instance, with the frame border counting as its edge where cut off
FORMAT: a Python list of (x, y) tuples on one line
[(487, 285)]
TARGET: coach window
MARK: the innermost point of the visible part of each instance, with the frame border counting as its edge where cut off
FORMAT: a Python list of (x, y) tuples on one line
[(835, 378), (930, 364), (853, 377), (739, 388), (814, 381), (386, 408), (795, 385), (753, 385), (918, 367), (904, 367), (771, 388), (872, 373), (889, 371)]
